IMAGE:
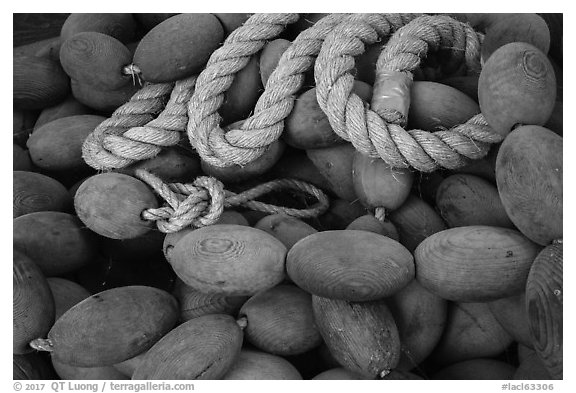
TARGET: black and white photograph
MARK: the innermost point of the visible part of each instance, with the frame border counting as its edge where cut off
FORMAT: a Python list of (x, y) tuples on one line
[(374, 197)]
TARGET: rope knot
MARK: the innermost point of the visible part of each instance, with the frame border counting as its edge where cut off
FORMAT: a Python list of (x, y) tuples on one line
[(197, 204), (202, 202)]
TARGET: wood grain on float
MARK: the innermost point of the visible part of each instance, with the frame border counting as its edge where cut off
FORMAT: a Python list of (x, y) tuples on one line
[(544, 295)]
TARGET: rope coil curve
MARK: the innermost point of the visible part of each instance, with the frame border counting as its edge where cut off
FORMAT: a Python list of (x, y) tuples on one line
[(382, 134), (239, 147), (115, 144)]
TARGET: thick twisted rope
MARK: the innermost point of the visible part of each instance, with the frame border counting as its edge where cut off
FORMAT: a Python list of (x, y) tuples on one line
[(202, 202), (143, 107), (124, 139), (260, 130), (144, 142), (216, 79), (379, 133), (114, 144), (239, 147)]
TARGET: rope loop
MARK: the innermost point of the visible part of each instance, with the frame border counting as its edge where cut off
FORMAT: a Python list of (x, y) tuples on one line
[(378, 131)]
